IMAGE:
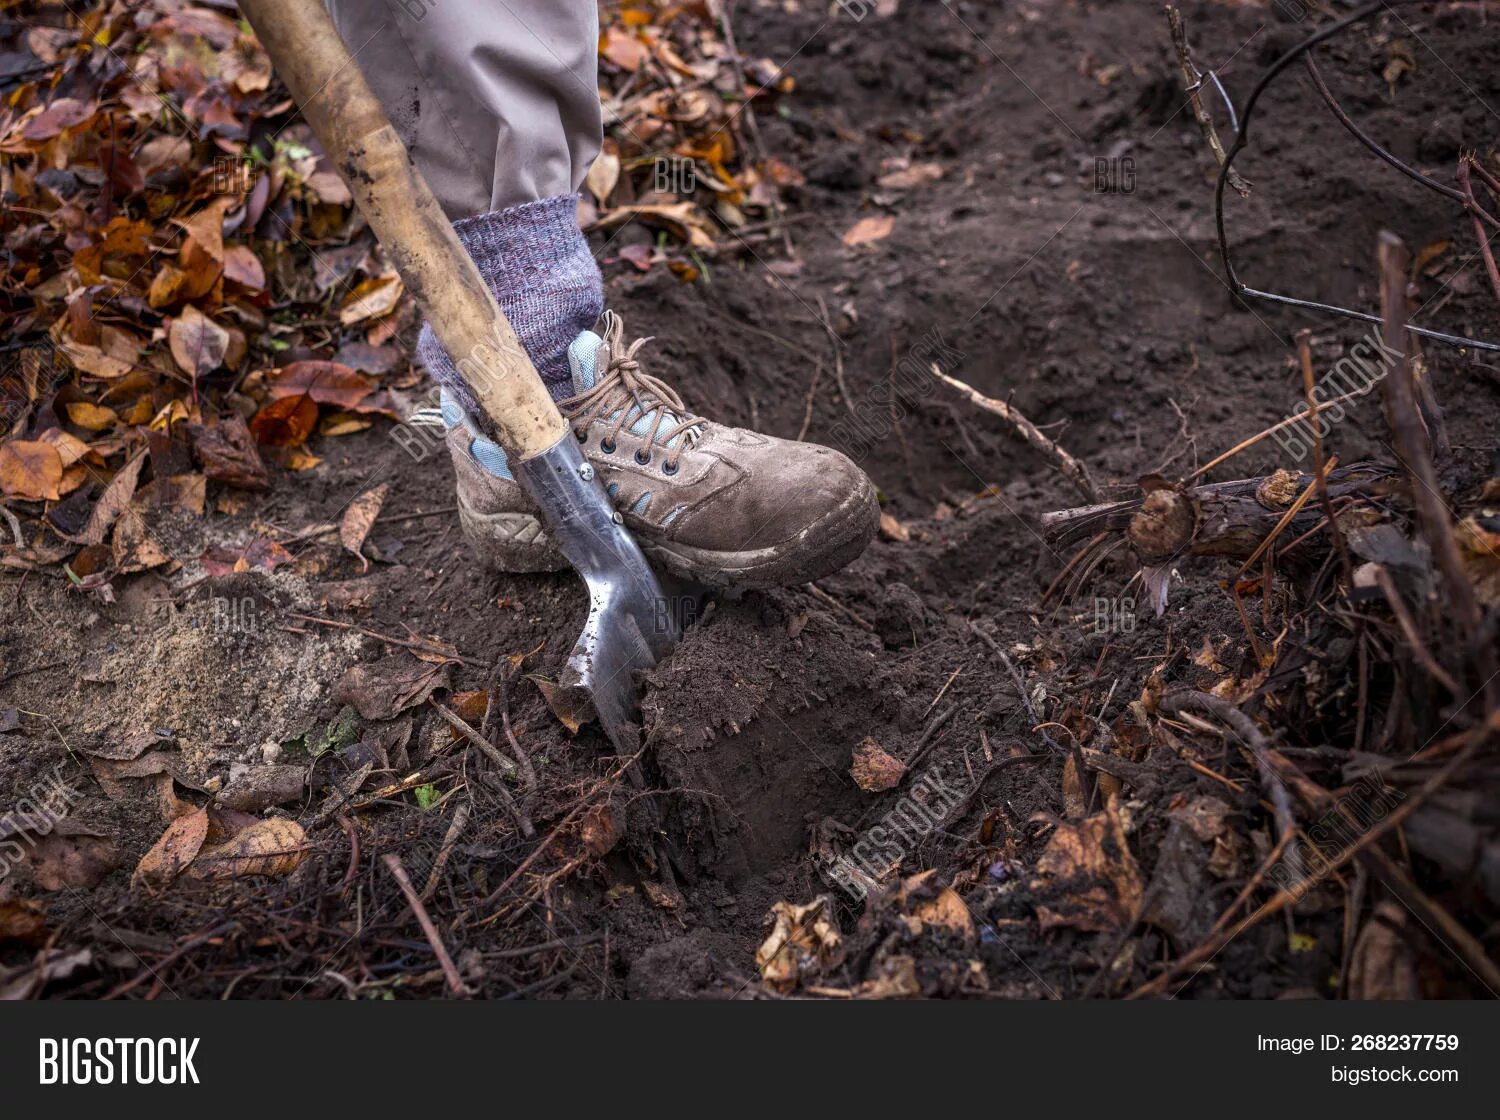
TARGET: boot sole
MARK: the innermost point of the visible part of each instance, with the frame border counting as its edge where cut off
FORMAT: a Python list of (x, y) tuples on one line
[(517, 542), (828, 544), (510, 542)]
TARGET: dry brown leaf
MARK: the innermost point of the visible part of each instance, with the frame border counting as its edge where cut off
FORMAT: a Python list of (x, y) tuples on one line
[(30, 470), (135, 548), (198, 343), (325, 382), (171, 855), (564, 712), (388, 687), (227, 453), (1089, 876), (91, 417), (947, 912), (113, 501), (624, 49), (893, 530), (267, 847), (603, 174), (286, 422), (242, 266), (372, 299), (801, 943), (359, 519), (915, 175), (869, 229)]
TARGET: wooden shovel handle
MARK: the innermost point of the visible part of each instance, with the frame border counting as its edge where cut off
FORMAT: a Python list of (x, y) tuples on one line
[(307, 52)]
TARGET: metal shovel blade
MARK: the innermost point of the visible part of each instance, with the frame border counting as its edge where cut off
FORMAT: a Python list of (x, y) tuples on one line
[(632, 621)]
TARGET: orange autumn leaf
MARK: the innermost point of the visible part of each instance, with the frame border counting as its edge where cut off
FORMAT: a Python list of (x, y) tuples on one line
[(869, 229), (325, 382), (30, 470), (286, 422)]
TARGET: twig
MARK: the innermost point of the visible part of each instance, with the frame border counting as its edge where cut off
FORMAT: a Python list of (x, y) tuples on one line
[(455, 829), (828, 600), (1241, 139), (1253, 738), (1479, 232), (1289, 895), (405, 643), (1458, 940), (1320, 471), (1408, 627), (1193, 81), (1411, 442), (499, 683), (490, 751), (154, 971), (1074, 471), (1344, 119), (1246, 444), (455, 982)]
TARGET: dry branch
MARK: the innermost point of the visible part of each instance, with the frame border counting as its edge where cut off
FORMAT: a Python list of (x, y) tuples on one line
[(1074, 471), (1228, 519), (1193, 82)]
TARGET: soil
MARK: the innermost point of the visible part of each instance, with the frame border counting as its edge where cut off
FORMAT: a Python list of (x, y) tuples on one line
[(1100, 314)]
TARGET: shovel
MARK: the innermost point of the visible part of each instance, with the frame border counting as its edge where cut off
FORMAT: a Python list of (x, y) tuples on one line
[(631, 621)]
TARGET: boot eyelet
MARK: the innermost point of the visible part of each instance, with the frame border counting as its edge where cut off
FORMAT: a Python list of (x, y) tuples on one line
[(608, 447), (582, 434), (669, 468), (643, 458)]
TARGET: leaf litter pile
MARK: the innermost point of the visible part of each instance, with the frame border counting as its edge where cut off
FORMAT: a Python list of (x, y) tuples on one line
[(1136, 694)]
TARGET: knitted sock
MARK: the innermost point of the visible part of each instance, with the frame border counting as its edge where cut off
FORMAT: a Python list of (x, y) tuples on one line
[(537, 263)]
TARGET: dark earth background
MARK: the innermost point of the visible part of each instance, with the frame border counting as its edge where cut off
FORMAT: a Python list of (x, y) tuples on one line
[(1101, 314)]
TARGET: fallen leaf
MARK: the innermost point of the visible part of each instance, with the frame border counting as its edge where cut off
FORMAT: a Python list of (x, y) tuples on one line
[(30, 470), (1089, 876), (906, 178), (603, 174), (266, 847), (228, 454), (171, 855), (371, 299), (359, 519), (64, 113), (801, 943), (874, 770), (91, 417), (135, 548), (869, 229), (623, 49), (564, 712), (21, 920), (386, 688), (325, 382), (947, 912), (601, 830), (286, 422), (243, 267), (893, 530), (259, 553), (198, 343)]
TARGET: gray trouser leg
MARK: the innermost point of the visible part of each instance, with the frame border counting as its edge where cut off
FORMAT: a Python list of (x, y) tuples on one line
[(498, 102)]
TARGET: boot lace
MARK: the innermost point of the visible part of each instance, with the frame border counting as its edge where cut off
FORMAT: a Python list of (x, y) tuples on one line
[(626, 394)]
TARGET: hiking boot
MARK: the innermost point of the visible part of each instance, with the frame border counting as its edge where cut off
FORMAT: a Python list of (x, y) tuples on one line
[(720, 506)]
